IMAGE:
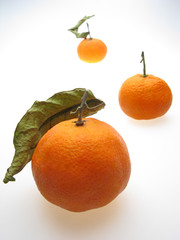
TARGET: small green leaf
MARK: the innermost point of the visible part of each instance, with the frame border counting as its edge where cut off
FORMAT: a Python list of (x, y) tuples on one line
[(76, 27), (41, 117)]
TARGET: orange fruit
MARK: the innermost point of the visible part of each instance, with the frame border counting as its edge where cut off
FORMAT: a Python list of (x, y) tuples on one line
[(145, 97), (81, 167), (91, 50)]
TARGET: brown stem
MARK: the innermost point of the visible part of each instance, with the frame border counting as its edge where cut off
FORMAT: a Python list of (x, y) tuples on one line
[(80, 122), (144, 64)]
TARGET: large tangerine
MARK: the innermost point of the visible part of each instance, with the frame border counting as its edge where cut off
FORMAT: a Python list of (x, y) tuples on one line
[(81, 167)]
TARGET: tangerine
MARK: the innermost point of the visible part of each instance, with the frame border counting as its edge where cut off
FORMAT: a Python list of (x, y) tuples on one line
[(91, 50), (81, 167), (145, 96)]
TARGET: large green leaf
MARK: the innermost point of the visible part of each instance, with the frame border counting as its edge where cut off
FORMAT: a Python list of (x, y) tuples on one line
[(41, 117)]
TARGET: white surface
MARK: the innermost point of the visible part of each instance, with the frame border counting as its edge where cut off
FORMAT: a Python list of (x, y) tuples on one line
[(38, 58)]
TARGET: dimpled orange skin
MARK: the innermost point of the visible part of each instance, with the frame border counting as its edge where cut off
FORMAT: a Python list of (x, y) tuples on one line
[(92, 50), (145, 97), (81, 167)]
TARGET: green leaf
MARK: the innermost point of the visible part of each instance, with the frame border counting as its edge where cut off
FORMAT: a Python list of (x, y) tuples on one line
[(76, 27), (41, 117)]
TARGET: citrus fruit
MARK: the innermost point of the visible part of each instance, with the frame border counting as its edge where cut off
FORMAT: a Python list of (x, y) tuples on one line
[(81, 167), (91, 50), (145, 97)]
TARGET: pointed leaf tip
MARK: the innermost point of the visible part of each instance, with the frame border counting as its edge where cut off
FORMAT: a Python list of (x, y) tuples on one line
[(74, 29), (40, 118)]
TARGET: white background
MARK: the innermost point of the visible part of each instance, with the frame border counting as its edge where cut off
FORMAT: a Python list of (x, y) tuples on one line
[(38, 58)]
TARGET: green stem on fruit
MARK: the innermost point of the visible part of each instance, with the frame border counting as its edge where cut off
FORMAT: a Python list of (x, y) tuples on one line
[(80, 122), (144, 64)]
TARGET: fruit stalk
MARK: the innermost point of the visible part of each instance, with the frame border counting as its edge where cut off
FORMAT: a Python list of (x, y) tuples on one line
[(144, 65), (80, 122), (89, 31)]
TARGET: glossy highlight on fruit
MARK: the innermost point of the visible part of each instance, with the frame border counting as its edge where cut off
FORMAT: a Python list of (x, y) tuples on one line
[(81, 167)]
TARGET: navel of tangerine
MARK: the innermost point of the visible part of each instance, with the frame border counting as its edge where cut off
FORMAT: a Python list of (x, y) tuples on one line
[(91, 50)]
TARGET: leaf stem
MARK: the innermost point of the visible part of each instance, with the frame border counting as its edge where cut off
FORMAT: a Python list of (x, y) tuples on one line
[(144, 64), (89, 31), (80, 122)]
